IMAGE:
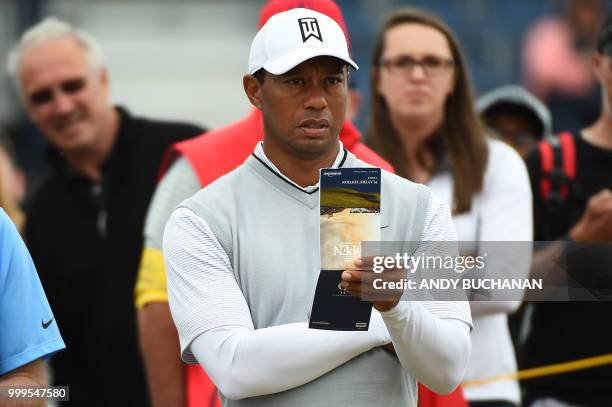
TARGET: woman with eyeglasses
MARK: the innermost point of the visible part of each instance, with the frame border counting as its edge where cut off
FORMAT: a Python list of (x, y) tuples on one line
[(423, 122)]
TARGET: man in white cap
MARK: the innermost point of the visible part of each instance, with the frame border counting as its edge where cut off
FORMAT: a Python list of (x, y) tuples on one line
[(242, 254)]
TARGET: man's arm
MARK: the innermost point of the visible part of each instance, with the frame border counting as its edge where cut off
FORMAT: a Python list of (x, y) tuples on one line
[(216, 329), (30, 375), (161, 351), (251, 362), (431, 338), (23, 307), (595, 225), (158, 338), (434, 350)]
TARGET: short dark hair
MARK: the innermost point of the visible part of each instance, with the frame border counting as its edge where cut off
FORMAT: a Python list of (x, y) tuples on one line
[(535, 123), (604, 37), (260, 74)]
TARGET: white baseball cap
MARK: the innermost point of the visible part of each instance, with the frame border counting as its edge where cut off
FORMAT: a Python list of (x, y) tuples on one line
[(294, 36)]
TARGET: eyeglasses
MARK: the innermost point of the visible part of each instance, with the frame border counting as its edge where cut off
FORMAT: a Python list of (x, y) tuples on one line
[(432, 65), (46, 95)]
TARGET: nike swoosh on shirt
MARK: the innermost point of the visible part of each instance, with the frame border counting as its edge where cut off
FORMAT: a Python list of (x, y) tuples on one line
[(45, 325)]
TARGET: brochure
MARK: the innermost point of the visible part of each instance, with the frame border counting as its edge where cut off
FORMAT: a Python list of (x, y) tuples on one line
[(349, 214)]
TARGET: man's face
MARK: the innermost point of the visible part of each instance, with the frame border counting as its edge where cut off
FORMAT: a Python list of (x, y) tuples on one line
[(64, 94), (516, 130), (304, 108), (602, 65)]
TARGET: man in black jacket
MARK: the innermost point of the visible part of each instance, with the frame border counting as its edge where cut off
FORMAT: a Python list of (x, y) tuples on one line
[(582, 226), (85, 223)]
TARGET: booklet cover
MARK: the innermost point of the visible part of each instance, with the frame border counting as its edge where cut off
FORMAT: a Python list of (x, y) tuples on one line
[(349, 214)]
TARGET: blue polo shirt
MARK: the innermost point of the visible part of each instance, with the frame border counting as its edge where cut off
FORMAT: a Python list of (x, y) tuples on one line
[(28, 330)]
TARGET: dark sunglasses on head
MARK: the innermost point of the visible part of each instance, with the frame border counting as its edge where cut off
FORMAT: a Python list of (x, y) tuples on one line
[(42, 96)]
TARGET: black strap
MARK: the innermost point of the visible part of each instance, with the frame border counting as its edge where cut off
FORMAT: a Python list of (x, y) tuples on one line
[(558, 177)]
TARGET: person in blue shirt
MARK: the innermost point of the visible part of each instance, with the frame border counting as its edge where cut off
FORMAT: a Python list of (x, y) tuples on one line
[(28, 330)]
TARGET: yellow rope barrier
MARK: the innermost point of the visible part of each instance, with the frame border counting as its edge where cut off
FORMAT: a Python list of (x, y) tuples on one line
[(544, 370)]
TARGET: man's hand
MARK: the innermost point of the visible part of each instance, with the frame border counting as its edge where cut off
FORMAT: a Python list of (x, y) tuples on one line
[(360, 283), (390, 348), (596, 222)]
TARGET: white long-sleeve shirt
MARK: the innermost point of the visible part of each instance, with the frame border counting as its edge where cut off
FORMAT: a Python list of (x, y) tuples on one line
[(431, 338), (502, 212)]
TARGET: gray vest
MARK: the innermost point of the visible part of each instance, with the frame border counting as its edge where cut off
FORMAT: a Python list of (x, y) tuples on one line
[(270, 231)]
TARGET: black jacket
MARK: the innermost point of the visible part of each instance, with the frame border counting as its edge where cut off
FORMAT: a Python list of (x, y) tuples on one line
[(566, 331), (86, 242)]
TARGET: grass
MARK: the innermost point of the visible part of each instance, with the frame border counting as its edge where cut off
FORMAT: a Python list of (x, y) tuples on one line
[(349, 198)]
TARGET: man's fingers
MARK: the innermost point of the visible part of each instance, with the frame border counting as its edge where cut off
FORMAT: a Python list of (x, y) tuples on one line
[(361, 284), (602, 196), (368, 277), (352, 288), (600, 204), (365, 262), (352, 276)]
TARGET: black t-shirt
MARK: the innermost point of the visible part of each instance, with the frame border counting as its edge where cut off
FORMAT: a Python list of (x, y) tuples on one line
[(86, 242), (565, 331)]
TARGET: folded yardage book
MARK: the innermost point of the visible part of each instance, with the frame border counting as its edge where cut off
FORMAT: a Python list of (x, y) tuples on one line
[(349, 214)]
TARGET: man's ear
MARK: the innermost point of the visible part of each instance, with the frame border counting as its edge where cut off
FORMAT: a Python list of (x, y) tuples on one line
[(104, 76), (253, 90), (105, 83), (596, 61)]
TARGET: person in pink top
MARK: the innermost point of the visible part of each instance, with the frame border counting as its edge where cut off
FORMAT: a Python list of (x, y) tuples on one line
[(556, 64)]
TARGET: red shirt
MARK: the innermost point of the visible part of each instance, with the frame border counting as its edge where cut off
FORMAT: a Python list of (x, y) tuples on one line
[(220, 151)]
